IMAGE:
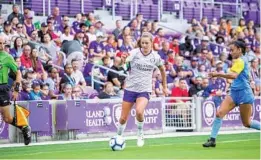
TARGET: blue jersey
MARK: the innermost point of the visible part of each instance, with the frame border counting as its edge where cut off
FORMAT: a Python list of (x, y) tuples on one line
[(240, 66)]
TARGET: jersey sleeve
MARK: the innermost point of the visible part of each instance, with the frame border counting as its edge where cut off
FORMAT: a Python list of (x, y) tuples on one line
[(238, 66), (159, 61), (12, 64), (132, 54)]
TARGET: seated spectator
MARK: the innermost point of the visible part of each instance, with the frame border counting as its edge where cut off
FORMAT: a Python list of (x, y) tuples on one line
[(158, 40), (181, 70), (18, 48), (125, 32), (255, 76), (35, 93), (77, 22), (204, 59), (110, 47), (67, 76), (97, 49), (115, 78), (164, 51), (45, 92), (175, 46), (53, 82), (186, 49), (92, 34), (66, 92), (25, 57), (36, 63), (127, 44), (26, 89), (108, 91), (66, 34), (204, 45), (196, 87), (77, 93), (51, 47), (77, 74)]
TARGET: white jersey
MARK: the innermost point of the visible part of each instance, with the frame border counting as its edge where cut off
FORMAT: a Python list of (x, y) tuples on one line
[(141, 70)]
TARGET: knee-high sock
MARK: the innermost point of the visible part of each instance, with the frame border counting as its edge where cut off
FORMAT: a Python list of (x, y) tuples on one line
[(255, 125), (215, 128), (140, 126), (121, 129)]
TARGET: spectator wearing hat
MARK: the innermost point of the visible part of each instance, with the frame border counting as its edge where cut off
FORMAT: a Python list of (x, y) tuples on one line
[(16, 13), (194, 67), (97, 49), (43, 31), (7, 33), (204, 45), (28, 23), (99, 29)]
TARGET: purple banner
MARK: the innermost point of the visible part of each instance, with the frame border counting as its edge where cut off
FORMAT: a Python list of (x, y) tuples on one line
[(3, 129), (104, 117), (232, 119)]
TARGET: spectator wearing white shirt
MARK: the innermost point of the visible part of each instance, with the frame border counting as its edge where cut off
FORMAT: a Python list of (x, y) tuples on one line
[(77, 74), (66, 35)]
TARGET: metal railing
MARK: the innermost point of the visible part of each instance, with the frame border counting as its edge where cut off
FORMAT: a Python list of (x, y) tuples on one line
[(93, 80)]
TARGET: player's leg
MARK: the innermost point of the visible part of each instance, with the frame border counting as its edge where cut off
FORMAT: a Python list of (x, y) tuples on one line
[(245, 113), (126, 107), (141, 104), (26, 130), (226, 106)]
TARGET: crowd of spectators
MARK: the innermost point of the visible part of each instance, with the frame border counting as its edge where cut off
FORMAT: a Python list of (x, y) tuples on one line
[(57, 58)]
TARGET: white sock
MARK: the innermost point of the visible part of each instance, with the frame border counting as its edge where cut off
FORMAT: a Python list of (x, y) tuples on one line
[(140, 126), (121, 129)]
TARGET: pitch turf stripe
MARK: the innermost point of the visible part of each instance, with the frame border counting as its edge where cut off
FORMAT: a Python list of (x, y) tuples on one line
[(107, 148)]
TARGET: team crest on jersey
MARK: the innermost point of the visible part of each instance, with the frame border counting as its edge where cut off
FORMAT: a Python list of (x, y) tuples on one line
[(209, 112), (152, 60), (116, 114)]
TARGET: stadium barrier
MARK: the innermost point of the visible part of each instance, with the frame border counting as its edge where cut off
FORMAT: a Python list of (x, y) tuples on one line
[(78, 119)]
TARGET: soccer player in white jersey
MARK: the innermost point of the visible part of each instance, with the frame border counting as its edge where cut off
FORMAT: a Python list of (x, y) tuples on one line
[(142, 61)]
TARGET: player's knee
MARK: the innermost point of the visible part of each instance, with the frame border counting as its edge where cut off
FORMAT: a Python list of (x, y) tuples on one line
[(139, 115), (123, 120), (219, 114)]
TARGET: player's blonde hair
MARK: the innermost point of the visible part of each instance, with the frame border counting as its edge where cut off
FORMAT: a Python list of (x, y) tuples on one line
[(145, 35)]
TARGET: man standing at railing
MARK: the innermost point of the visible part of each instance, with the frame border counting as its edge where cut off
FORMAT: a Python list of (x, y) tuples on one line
[(7, 63)]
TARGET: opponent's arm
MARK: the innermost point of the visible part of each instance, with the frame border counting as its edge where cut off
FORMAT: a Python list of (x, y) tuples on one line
[(231, 75), (164, 79)]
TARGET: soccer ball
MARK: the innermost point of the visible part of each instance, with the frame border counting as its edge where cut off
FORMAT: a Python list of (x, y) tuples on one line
[(117, 143)]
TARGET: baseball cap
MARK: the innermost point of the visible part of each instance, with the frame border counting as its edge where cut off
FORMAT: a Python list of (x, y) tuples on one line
[(194, 58), (205, 38), (44, 24)]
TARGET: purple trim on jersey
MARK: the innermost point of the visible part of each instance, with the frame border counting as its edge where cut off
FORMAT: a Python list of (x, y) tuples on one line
[(145, 54), (131, 97)]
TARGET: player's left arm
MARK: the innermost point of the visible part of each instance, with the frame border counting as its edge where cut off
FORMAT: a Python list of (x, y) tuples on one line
[(235, 70), (163, 75)]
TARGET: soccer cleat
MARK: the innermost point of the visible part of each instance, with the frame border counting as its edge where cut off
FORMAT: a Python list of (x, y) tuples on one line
[(140, 140), (27, 134), (209, 143)]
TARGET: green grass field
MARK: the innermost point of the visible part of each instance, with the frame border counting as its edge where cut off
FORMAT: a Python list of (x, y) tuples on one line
[(234, 146)]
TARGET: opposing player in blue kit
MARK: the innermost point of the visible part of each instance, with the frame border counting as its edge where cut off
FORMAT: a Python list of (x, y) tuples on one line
[(142, 61), (240, 94)]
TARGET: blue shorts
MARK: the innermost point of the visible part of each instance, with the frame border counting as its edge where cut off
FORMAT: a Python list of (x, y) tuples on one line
[(242, 96), (131, 97)]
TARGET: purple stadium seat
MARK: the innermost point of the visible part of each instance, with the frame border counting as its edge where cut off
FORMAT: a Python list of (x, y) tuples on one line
[(97, 3)]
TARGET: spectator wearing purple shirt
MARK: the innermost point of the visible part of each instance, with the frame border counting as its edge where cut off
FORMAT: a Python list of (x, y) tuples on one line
[(127, 44), (65, 22), (109, 48), (76, 24), (96, 49), (125, 32), (163, 53), (56, 17), (18, 48), (218, 49), (28, 23), (203, 59), (24, 94), (45, 92)]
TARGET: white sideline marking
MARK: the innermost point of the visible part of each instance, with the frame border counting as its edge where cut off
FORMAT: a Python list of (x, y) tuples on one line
[(132, 146), (164, 135)]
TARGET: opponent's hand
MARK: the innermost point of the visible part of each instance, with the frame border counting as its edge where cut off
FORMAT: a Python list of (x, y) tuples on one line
[(15, 95), (165, 91)]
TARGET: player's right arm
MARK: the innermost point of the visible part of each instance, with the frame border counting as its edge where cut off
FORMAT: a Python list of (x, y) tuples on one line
[(235, 70)]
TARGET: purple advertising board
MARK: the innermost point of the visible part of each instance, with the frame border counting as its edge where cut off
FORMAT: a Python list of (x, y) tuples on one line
[(3, 129), (104, 117), (232, 119)]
